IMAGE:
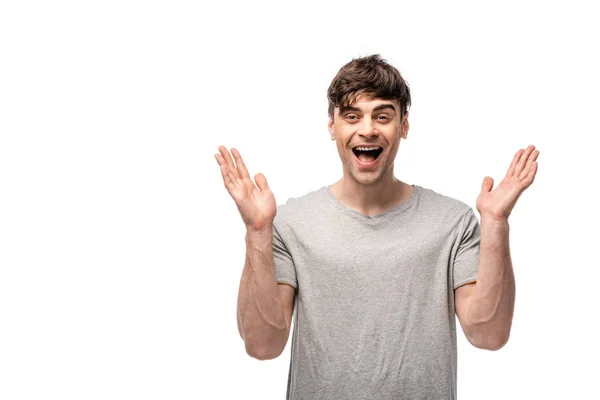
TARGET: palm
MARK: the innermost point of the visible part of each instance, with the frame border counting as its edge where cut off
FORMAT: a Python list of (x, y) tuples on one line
[(256, 208), (256, 204), (498, 203)]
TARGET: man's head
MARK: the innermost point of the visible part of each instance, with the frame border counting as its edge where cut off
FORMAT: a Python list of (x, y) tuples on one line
[(368, 106), (369, 75)]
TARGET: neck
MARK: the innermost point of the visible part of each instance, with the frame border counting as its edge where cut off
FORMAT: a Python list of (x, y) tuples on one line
[(371, 199)]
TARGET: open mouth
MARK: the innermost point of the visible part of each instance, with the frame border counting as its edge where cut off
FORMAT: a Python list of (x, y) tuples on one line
[(367, 154)]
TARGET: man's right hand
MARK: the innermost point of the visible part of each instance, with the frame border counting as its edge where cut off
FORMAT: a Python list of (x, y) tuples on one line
[(256, 204)]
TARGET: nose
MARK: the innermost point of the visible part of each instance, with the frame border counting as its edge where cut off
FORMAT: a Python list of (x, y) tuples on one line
[(367, 128)]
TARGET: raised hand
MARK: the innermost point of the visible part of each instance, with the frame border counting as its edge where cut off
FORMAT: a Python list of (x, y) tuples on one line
[(498, 203), (256, 203)]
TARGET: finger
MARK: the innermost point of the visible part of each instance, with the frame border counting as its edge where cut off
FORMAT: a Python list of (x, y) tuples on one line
[(225, 171), (532, 157), (261, 182), (521, 164), (243, 171), (228, 160), (511, 169), (229, 185), (531, 174), (220, 159), (488, 184), (233, 177)]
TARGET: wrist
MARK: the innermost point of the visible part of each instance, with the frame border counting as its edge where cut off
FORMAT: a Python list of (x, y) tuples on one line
[(494, 219), (262, 234)]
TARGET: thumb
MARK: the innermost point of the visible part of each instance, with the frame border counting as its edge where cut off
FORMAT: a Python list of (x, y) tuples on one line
[(488, 184), (261, 182)]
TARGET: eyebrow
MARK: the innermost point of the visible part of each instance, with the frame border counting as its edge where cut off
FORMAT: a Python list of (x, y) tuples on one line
[(378, 108)]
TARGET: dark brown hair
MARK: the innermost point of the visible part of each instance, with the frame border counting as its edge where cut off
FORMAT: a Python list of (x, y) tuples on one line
[(369, 75)]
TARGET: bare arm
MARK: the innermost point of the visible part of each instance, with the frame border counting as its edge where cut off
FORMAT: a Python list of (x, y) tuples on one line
[(263, 308), (264, 312), (485, 309)]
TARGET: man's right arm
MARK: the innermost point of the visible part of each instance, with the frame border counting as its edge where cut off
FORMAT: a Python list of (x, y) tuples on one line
[(264, 309)]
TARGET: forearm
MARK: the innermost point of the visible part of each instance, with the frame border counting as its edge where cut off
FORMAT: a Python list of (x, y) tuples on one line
[(260, 311), (491, 306)]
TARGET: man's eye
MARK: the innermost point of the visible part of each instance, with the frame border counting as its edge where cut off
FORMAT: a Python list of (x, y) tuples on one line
[(351, 117), (383, 117)]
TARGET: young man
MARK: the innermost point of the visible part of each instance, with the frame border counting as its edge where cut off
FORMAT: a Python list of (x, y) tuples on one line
[(374, 267)]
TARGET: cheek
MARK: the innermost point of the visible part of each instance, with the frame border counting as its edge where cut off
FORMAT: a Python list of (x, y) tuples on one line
[(341, 148), (343, 153), (394, 148)]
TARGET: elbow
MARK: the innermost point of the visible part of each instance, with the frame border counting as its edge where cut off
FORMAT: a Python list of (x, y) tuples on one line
[(492, 341), (262, 353), (263, 349), (492, 345)]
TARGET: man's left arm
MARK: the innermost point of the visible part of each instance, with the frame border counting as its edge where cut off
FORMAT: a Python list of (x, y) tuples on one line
[(485, 308)]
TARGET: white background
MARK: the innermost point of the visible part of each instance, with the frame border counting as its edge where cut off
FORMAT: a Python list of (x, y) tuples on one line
[(121, 251)]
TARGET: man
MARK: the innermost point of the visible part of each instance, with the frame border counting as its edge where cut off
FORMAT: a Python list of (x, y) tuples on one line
[(374, 267)]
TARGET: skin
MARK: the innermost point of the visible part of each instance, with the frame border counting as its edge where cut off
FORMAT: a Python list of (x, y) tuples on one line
[(369, 191), (264, 308), (485, 308), (254, 200)]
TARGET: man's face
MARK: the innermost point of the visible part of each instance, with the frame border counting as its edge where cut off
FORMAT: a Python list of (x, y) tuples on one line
[(368, 124)]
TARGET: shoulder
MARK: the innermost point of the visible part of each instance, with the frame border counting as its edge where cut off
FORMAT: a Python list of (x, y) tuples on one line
[(442, 206), (301, 207)]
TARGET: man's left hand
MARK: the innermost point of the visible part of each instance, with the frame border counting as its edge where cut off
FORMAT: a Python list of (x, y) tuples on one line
[(498, 203)]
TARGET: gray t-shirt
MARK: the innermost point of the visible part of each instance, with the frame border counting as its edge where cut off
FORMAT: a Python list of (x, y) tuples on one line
[(374, 311)]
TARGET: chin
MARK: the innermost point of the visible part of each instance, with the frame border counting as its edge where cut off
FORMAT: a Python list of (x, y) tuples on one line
[(367, 181)]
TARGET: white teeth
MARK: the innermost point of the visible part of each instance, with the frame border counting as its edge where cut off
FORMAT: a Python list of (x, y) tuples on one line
[(367, 148)]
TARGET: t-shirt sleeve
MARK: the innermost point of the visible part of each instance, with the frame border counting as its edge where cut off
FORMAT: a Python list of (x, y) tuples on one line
[(466, 261), (285, 271)]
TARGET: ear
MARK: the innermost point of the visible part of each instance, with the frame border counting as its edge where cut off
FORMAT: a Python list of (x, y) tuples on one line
[(331, 128), (404, 126)]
